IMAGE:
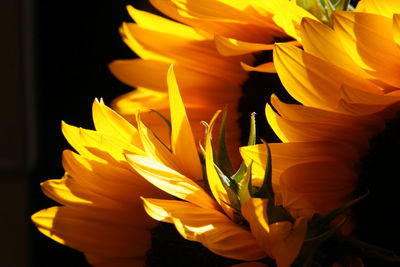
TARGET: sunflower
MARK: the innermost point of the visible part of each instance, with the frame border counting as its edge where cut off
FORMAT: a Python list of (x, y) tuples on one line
[(210, 218), (346, 79), (101, 213), (212, 46)]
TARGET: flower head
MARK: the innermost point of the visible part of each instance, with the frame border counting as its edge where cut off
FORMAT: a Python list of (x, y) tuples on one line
[(101, 213)]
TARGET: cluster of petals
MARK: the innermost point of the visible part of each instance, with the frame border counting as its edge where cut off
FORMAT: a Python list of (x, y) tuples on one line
[(210, 43), (102, 214), (345, 77), (117, 164)]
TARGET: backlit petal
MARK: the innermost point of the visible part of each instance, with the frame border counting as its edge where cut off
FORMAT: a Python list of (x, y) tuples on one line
[(183, 144), (211, 228), (171, 181), (214, 181)]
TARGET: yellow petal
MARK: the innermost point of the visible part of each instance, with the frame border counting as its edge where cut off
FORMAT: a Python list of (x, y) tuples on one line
[(141, 50), (151, 74), (385, 8), (266, 67), (317, 186), (94, 145), (328, 46), (370, 125), (183, 144), (157, 23), (396, 28), (154, 147), (214, 181), (203, 58), (224, 10), (288, 240), (94, 231), (225, 27), (368, 39), (171, 181), (289, 17), (210, 227), (106, 180), (140, 99), (293, 131), (313, 81), (254, 211), (110, 123), (158, 209), (364, 103), (233, 47), (285, 155)]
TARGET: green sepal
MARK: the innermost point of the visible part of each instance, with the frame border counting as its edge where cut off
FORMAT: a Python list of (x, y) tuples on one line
[(274, 213), (277, 214), (315, 7), (321, 245), (343, 5), (231, 187), (238, 176), (223, 159), (323, 9), (329, 8), (266, 190), (310, 255), (322, 237), (252, 135), (245, 186)]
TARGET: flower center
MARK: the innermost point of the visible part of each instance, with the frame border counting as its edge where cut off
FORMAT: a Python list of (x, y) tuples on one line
[(376, 214)]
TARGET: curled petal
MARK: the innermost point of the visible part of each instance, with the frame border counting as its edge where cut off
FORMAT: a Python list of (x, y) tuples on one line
[(171, 181), (210, 227)]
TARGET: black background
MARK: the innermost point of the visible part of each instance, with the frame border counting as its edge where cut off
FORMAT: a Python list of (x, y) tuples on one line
[(74, 43)]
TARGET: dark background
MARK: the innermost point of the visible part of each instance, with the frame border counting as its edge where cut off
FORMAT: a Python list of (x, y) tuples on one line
[(74, 43)]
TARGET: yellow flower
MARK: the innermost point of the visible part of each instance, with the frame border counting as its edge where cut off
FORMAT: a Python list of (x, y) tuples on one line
[(210, 220), (346, 79), (101, 213), (209, 45)]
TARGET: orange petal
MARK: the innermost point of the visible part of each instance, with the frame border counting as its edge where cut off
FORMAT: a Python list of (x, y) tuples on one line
[(106, 180), (317, 186), (183, 144), (296, 131), (371, 124), (313, 81), (385, 8), (233, 47), (94, 231), (368, 39), (268, 67), (211, 228), (171, 181), (214, 181), (111, 123)]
